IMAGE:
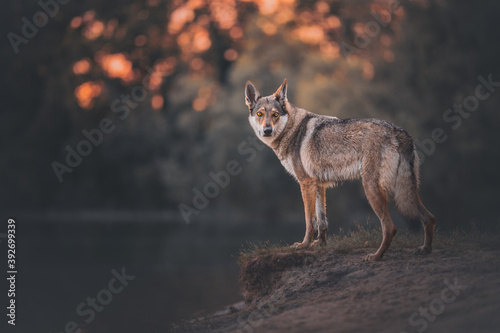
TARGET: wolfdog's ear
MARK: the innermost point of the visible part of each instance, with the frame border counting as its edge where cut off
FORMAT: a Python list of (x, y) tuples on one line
[(252, 95), (280, 94)]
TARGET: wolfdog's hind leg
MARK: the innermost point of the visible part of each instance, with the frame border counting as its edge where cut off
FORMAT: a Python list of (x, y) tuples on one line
[(428, 221), (378, 200)]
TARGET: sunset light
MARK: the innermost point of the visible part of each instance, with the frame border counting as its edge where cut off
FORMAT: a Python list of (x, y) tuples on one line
[(224, 13), (82, 67), (86, 92), (310, 34), (93, 30), (76, 22), (195, 30), (157, 102), (117, 66)]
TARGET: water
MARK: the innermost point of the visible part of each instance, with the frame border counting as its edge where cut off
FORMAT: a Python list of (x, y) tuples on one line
[(175, 271)]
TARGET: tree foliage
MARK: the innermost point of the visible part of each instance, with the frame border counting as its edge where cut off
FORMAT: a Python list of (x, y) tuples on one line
[(170, 74)]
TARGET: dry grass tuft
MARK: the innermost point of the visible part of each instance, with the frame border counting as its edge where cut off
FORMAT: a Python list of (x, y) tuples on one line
[(454, 242)]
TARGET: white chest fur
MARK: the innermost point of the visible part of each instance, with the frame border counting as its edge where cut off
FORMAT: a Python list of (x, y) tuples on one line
[(287, 163)]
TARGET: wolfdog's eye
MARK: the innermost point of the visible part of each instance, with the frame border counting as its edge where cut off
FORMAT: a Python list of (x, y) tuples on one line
[(259, 114), (276, 114)]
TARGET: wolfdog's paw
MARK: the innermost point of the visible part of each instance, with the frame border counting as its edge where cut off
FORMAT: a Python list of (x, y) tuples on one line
[(422, 250), (299, 245), (373, 257), (318, 243)]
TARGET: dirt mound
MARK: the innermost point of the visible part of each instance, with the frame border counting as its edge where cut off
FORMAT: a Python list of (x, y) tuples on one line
[(262, 275), (325, 291)]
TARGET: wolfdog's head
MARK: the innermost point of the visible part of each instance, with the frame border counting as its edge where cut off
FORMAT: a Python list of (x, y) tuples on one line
[(268, 115)]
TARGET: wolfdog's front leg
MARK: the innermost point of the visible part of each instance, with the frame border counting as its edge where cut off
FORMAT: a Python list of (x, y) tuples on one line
[(321, 221), (308, 189)]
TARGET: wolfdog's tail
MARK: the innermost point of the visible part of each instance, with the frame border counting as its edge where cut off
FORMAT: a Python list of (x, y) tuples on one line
[(407, 182)]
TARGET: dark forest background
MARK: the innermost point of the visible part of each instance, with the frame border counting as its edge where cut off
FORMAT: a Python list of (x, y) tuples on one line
[(427, 57), (169, 76)]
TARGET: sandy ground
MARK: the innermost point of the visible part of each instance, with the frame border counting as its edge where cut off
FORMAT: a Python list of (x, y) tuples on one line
[(332, 292)]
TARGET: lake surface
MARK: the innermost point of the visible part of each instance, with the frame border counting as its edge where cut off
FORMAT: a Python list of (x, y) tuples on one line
[(68, 266)]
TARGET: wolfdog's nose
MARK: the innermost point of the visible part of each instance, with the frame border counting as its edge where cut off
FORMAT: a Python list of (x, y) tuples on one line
[(268, 131)]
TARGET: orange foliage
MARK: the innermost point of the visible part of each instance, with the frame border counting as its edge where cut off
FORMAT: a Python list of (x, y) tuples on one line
[(314, 25), (201, 40), (195, 4), (333, 22), (267, 7), (162, 68), (199, 104), (110, 29), (267, 27), (82, 66), (117, 66), (157, 102), (313, 34), (190, 34), (368, 70), (206, 97), (224, 13), (76, 22), (86, 92), (196, 64), (230, 55), (330, 50), (140, 40), (385, 40), (88, 16), (236, 32), (388, 56), (322, 7), (179, 18), (93, 30)]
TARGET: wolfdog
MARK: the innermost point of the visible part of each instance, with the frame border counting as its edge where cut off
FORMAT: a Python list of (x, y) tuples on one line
[(320, 151)]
